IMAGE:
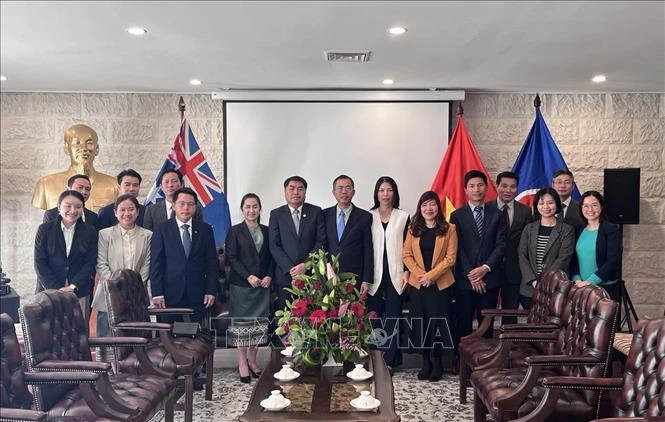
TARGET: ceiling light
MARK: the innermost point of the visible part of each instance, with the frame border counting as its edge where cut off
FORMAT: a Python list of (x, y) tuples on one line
[(599, 79), (3, 78), (397, 30), (195, 82), (137, 30), (387, 82)]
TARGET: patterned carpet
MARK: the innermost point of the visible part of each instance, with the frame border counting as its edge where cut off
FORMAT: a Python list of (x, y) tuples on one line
[(415, 401)]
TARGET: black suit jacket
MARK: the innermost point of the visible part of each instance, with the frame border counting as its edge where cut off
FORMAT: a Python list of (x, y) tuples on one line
[(155, 214), (243, 258), (90, 217), (288, 248), (473, 251), (175, 276), (355, 247), (574, 214), (107, 216), (52, 264), (609, 247), (521, 217)]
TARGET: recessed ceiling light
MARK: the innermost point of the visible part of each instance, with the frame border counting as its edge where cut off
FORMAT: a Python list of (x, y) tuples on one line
[(137, 30), (387, 82), (599, 79), (397, 30), (3, 78), (195, 82)]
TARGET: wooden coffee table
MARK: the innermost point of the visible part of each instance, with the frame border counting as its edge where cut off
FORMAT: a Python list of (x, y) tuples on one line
[(323, 394)]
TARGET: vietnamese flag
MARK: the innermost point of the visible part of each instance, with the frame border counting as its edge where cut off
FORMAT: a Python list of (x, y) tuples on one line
[(460, 157)]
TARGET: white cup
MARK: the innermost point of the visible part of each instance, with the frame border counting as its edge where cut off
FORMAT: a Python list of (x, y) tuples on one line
[(276, 398), (286, 371), (365, 399), (359, 370)]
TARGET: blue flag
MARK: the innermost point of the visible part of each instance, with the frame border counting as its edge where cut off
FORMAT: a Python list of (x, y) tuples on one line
[(188, 159), (537, 162)]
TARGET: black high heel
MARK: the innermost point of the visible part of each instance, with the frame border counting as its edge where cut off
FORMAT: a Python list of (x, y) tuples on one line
[(245, 380), (254, 374)]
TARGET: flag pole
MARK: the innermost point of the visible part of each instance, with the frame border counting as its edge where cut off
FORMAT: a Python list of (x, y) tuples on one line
[(536, 101), (181, 107), (460, 110)]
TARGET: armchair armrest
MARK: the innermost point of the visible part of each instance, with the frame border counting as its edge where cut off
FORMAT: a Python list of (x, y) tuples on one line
[(60, 377), (608, 384), (117, 341), (530, 326), (167, 311), (561, 360), (522, 337), (144, 325), (73, 365), (9, 414)]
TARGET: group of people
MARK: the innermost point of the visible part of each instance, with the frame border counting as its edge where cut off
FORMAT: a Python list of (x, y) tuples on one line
[(485, 251)]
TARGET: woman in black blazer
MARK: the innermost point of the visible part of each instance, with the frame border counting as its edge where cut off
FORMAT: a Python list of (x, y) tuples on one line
[(66, 250), (546, 244), (252, 268), (598, 247)]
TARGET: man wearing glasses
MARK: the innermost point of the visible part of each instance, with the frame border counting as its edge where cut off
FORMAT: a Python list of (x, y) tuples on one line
[(563, 183), (349, 234), (159, 212)]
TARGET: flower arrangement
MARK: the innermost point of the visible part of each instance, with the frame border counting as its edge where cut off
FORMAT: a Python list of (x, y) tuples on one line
[(327, 317)]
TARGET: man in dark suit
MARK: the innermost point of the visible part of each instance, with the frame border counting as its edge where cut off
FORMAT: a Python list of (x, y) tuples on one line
[(295, 230), (183, 260), (481, 242), (81, 184), (129, 183), (349, 234), (563, 183), (515, 216), (157, 213)]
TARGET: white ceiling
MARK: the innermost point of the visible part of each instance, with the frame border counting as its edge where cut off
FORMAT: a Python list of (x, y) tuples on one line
[(475, 46)]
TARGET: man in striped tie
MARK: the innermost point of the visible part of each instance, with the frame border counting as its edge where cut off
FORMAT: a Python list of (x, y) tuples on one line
[(481, 243)]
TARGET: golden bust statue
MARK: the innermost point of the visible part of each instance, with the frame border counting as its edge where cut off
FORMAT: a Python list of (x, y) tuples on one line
[(81, 145)]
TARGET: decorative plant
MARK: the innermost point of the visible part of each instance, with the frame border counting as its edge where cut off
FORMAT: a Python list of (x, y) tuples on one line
[(327, 317)]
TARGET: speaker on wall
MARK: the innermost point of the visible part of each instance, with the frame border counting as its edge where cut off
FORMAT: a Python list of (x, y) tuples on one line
[(622, 195)]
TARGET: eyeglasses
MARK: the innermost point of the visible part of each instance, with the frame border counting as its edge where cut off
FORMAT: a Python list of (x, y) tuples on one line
[(185, 204), (344, 188)]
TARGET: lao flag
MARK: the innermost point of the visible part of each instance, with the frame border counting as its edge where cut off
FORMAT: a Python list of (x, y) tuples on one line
[(537, 162), (188, 159)]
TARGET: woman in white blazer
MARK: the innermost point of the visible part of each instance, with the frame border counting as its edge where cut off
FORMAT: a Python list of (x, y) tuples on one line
[(123, 246), (389, 228)]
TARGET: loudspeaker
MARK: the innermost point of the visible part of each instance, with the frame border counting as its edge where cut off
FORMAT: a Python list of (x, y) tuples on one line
[(622, 195)]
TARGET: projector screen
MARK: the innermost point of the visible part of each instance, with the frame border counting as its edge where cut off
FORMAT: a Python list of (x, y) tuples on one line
[(266, 142)]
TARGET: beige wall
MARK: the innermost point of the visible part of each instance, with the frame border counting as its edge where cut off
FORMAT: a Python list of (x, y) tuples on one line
[(593, 131)]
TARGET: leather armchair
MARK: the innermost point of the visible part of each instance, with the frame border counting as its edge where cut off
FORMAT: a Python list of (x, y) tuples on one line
[(176, 357), (548, 301), (56, 339), (583, 350)]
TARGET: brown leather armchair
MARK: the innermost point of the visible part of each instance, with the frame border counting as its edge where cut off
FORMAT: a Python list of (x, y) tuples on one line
[(56, 339), (176, 357), (583, 350), (642, 387), (548, 301)]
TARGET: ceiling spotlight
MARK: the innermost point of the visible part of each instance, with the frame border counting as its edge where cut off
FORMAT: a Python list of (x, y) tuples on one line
[(599, 79), (195, 82), (3, 78), (387, 82), (397, 30), (137, 30)]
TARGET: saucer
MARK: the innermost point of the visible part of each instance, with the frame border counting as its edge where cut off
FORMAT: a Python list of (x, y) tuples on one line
[(264, 404), (366, 375), (289, 352), (356, 405), (295, 375)]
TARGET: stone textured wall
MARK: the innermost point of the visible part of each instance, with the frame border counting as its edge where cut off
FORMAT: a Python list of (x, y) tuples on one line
[(593, 131)]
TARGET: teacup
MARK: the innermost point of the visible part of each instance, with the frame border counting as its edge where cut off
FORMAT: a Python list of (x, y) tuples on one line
[(286, 371), (276, 399), (359, 371), (365, 399)]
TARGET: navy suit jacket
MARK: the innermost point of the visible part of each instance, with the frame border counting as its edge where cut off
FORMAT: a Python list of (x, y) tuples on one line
[(177, 277), (355, 247), (288, 248), (155, 214), (107, 216), (90, 217), (522, 216), (243, 258), (474, 251), (609, 248), (52, 264)]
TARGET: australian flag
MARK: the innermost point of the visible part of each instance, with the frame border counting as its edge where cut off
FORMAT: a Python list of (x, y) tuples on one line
[(188, 159), (537, 162)]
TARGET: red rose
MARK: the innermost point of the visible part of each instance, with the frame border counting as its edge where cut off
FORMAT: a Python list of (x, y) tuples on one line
[(317, 286), (298, 284), (309, 300), (363, 297), (287, 328), (299, 308), (317, 317), (360, 326), (372, 315), (357, 309), (332, 313), (350, 288)]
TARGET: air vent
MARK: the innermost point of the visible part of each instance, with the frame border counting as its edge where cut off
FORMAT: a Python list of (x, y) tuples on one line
[(347, 56)]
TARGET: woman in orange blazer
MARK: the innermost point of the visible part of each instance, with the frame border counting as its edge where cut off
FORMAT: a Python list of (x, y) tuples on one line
[(429, 253)]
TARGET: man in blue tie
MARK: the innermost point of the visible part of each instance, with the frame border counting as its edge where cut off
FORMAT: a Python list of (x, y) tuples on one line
[(349, 234), (481, 243), (183, 259)]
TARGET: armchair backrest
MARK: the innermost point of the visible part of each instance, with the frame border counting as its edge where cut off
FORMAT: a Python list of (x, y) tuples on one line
[(644, 376), (53, 329), (128, 300), (14, 392), (549, 297)]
